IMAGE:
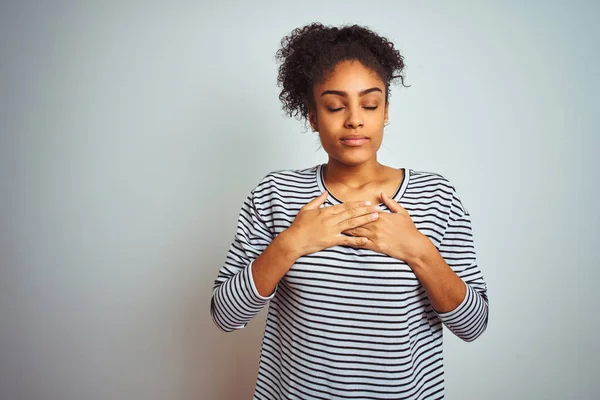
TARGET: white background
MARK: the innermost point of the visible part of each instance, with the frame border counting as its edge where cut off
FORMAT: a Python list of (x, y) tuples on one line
[(131, 134)]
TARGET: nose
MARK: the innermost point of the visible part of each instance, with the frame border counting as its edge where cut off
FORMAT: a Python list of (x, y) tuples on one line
[(354, 119)]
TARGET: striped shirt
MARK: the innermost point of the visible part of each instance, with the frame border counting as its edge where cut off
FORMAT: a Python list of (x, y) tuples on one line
[(348, 323)]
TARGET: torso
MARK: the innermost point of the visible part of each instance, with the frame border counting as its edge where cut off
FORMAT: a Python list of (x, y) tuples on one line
[(345, 317), (347, 322)]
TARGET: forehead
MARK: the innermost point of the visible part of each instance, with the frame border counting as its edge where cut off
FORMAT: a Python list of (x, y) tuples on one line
[(350, 76)]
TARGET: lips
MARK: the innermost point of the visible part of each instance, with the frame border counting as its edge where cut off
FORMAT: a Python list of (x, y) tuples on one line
[(354, 140)]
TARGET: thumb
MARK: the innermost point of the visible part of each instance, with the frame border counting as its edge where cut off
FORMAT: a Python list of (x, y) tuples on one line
[(316, 202), (391, 204)]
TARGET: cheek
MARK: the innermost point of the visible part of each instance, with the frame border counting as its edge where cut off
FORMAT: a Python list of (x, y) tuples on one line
[(327, 141), (329, 120), (329, 126), (377, 135)]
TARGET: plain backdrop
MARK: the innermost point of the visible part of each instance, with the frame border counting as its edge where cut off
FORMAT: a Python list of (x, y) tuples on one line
[(131, 133)]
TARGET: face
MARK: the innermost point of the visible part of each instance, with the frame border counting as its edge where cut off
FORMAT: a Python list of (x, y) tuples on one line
[(349, 113)]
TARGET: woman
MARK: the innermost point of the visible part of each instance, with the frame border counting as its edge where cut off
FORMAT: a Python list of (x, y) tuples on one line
[(361, 264)]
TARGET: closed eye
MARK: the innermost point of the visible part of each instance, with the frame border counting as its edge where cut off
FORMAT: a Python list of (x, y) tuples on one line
[(341, 108)]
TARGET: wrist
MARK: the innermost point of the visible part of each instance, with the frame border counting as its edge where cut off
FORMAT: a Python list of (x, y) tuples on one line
[(288, 245), (423, 252)]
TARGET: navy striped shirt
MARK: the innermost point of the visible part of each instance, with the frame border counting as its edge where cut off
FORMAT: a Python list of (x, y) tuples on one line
[(348, 323)]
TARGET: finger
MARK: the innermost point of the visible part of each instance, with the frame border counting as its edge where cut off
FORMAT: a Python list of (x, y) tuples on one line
[(390, 203), (352, 241), (370, 245), (355, 212), (358, 221), (316, 202), (351, 205), (359, 231)]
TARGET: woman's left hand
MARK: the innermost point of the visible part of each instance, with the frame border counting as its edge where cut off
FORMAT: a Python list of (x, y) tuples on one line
[(394, 234)]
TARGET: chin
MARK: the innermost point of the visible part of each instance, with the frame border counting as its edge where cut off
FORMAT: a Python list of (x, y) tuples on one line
[(357, 158)]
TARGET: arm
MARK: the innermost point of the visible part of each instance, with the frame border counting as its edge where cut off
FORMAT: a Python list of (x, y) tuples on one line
[(451, 277), (235, 299), (257, 260), (273, 264)]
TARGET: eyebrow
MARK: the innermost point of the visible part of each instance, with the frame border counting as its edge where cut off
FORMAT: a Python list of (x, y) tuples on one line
[(344, 94)]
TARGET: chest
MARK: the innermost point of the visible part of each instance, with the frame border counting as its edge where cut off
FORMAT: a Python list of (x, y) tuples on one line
[(345, 271), (371, 194), (428, 219)]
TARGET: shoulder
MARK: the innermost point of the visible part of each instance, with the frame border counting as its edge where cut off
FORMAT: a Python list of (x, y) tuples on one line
[(288, 176), (433, 183), (430, 181), (285, 183)]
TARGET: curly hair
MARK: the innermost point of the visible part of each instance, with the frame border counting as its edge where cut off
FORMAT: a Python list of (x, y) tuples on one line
[(311, 52)]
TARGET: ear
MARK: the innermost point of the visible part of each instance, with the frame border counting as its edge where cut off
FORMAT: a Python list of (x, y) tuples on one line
[(312, 119), (386, 114)]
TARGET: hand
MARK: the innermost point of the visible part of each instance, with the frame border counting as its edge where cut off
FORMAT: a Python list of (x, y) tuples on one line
[(394, 234), (316, 228)]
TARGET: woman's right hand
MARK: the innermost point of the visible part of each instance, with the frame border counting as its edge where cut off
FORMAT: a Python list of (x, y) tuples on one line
[(316, 228)]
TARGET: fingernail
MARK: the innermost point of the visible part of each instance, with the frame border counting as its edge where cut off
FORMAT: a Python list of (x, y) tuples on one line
[(374, 216), (367, 203)]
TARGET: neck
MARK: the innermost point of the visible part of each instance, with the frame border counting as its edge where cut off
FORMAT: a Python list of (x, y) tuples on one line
[(353, 176)]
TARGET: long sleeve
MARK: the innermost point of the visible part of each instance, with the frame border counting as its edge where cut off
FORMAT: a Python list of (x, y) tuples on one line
[(469, 320), (235, 299)]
